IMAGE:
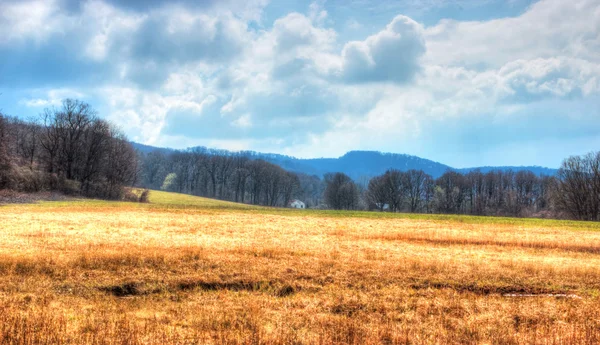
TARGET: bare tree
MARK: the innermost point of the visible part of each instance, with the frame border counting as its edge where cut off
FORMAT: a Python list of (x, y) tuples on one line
[(240, 178), (341, 192), (121, 169), (377, 193), (71, 122), (415, 187), (50, 140), (450, 192), (96, 139), (578, 187), (154, 169), (5, 164), (291, 185)]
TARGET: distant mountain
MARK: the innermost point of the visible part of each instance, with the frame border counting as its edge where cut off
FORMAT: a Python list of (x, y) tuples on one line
[(538, 170), (358, 164), (147, 148)]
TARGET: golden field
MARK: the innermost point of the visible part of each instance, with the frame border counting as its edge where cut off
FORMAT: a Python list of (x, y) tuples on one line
[(187, 270)]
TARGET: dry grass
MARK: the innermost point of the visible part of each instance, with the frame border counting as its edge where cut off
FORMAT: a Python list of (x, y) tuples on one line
[(187, 270)]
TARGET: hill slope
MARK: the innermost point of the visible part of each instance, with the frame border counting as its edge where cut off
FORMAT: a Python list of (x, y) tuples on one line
[(359, 164)]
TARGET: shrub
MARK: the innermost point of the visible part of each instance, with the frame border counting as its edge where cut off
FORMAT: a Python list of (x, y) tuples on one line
[(27, 180), (169, 182), (145, 196), (69, 187), (130, 196)]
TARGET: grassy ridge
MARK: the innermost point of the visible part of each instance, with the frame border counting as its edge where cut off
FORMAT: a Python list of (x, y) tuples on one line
[(183, 200), (173, 201)]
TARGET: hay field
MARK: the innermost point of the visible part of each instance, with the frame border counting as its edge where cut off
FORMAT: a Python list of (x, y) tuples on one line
[(187, 270)]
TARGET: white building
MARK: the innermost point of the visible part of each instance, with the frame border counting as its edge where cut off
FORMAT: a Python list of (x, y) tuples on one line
[(297, 204), (384, 207)]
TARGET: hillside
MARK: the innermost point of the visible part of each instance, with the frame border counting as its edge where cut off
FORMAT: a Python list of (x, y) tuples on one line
[(360, 164)]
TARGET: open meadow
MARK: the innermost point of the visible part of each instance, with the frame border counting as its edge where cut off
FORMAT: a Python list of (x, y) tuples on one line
[(187, 270)]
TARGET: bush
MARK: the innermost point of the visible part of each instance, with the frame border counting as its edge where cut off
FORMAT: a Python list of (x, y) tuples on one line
[(69, 187), (169, 182), (145, 196), (130, 196), (27, 180)]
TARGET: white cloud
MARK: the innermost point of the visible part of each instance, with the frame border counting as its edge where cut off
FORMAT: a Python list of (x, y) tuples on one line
[(547, 29), (143, 114), (390, 55), (296, 83), (296, 31), (244, 121), (52, 98), (555, 77), (317, 13), (104, 26), (24, 20)]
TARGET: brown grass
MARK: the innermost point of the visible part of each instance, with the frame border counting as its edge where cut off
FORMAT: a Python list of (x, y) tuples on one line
[(92, 273)]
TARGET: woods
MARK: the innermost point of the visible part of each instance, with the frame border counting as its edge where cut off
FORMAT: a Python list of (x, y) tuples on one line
[(69, 149), (72, 150), (221, 175), (499, 193), (578, 181), (574, 193)]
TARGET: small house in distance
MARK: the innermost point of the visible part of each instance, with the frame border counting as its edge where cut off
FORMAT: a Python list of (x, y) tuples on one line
[(297, 204), (382, 207)]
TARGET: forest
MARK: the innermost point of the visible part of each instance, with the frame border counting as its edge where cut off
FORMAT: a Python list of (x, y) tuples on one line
[(73, 151), (573, 193), (70, 150)]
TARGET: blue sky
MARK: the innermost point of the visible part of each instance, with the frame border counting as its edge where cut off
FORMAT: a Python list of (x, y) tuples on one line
[(463, 82)]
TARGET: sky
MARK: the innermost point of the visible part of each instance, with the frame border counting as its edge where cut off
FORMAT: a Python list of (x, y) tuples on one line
[(463, 82)]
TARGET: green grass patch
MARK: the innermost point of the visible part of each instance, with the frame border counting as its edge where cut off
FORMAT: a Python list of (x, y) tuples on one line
[(177, 201)]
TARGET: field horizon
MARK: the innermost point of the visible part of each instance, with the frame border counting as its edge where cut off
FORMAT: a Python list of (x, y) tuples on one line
[(191, 270)]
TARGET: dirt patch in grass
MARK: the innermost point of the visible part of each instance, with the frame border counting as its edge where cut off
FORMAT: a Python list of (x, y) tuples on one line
[(274, 287), (486, 289), (132, 289), (129, 289)]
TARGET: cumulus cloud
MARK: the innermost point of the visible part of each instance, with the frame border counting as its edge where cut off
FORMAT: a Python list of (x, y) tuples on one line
[(28, 20), (218, 73), (179, 37), (296, 31), (390, 55), (553, 77), (53, 97), (546, 29)]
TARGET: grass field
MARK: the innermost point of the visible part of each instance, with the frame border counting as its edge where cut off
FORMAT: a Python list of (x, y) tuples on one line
[(187, 270)]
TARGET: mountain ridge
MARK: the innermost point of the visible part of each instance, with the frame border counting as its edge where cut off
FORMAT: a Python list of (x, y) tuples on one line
[(357, 164)]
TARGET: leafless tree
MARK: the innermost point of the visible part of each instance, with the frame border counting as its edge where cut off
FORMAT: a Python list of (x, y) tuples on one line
[(341, 192), (5, 164), (415, 186), (378, 193), (578, 187)]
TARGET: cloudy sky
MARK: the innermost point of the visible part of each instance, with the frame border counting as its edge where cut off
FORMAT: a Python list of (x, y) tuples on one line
[(463, 82)]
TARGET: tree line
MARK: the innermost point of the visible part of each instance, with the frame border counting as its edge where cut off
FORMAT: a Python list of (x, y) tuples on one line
[(227, 176), (72, 150), (574, 193), (69, 149), (497, 193)]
